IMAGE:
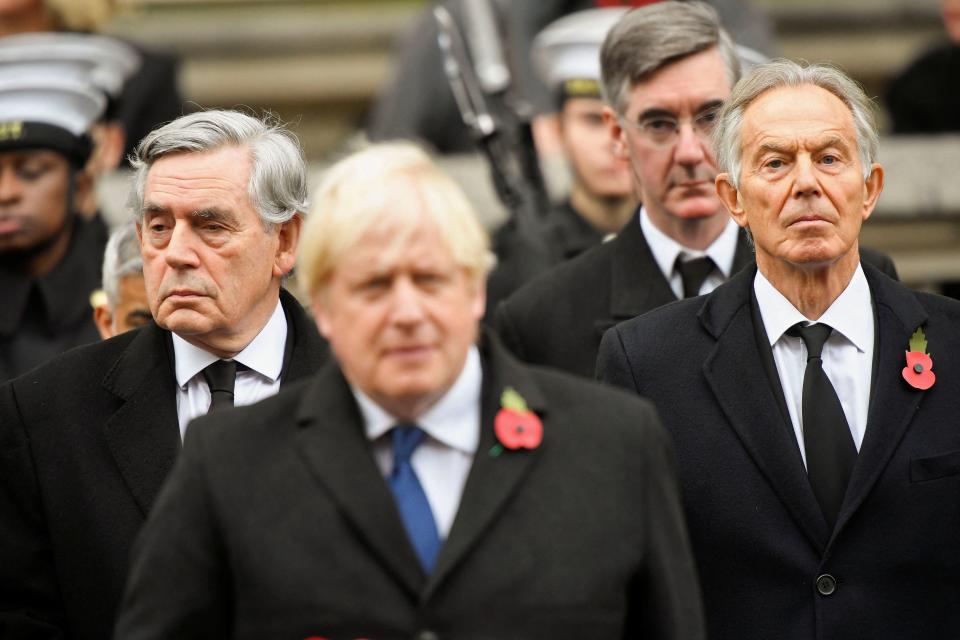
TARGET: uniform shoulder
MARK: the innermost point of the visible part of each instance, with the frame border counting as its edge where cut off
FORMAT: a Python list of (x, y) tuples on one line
[(553, 285), (82, 362)]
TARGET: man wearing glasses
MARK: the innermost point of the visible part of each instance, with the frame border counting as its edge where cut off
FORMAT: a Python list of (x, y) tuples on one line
[(666, 70)]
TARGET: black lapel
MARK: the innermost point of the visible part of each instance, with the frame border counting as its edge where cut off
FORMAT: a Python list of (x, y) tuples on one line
[(893, 402), (143, 435), (305, 350), (636, 283), (735, 374), (743, 255), (493, 479), (334, 447)]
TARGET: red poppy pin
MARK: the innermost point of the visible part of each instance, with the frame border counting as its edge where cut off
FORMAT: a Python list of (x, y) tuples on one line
[(919, 370), (516, 426)]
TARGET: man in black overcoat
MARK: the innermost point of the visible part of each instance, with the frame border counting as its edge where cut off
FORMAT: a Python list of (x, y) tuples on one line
[(87, 440), (422, 485), (812, 399)]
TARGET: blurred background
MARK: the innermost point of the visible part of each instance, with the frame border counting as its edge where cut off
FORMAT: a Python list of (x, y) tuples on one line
[(320, 65)]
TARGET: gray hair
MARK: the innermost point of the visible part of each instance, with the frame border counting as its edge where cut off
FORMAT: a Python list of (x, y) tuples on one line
[(121, 258), (278, 176), (727, 140), (653, 36)]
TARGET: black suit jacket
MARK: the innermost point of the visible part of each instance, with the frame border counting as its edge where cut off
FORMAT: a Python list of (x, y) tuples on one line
[(557, 320), (277, 523), (85, 443), (760, 539)]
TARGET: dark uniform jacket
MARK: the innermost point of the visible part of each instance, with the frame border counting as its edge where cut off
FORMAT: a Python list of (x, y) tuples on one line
[(524, 254), (277, 523), (85, 443), (557, 320), (769, 565), (42, 317)]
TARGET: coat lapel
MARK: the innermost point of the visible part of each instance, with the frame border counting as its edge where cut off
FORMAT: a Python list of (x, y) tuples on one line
[(143, 434), (735, 375), (308, 350), (636, 282), (492, 479), (893, 402), (334, 447)]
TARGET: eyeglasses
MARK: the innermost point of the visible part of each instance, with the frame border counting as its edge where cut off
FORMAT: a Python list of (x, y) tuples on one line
[(663, 129)]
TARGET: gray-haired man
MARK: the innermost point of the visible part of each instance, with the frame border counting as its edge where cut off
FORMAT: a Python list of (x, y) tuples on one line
[(121, 305), (811, 399), (87, 440), (667, 68)]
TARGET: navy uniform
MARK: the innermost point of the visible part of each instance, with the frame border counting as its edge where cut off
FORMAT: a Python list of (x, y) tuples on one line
[(46, 313)]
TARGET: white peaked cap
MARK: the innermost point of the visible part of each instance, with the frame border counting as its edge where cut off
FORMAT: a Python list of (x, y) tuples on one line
[(569, 48), (49, 98), (107, 61)]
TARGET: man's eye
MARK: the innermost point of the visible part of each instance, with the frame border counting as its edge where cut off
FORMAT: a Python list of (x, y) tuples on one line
[(32, 171), (428, 279), (660, 125), (828, 159), (774, 164)]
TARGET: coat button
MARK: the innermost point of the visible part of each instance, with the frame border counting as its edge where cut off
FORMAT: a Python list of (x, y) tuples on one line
[(826, 584), (425, 634)]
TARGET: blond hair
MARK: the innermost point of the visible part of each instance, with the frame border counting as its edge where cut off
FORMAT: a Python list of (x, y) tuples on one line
[(394, 186)]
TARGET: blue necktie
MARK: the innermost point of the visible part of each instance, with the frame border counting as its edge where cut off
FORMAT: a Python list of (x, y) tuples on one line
[(411, 500)]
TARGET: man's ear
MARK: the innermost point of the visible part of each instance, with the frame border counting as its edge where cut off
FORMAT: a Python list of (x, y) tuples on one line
[(618, 136), (874, 185), (289, 241), (103, 318), (730, 197), (84, 199)]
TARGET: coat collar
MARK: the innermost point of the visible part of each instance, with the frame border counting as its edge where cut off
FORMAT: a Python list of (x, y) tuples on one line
[(733, 370), (332, 443), (143, 433), (636, 283), (746, 397)]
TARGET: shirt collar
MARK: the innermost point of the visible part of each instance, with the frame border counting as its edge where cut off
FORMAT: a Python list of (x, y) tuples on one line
[(451, 420), (665, 249), (850, 315), (264, 354)]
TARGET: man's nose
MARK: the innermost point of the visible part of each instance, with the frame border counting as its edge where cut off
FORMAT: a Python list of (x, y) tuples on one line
[(407, 302), (690, 149), (11, 188), (806, 183), (181, 251)]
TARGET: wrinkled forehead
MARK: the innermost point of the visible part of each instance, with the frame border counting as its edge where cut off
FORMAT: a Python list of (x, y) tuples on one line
[(805, 111)]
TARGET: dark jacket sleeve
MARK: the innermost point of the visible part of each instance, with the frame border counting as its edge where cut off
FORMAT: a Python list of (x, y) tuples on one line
[(30, 603), (613, 365), (176, 583), (665, 596)]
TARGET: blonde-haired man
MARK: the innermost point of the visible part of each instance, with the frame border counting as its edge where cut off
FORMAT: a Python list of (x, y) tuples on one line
[(425, 484)]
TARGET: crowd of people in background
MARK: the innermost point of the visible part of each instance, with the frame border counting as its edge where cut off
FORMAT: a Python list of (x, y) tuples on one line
[(683, 402)]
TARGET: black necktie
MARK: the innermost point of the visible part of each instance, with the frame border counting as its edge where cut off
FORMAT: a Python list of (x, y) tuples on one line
[(693, 273), (221, 377), (826, 434)]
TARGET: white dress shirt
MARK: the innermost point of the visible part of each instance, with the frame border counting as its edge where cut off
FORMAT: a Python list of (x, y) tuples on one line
[(665, 251), (847, 355), (442, 461), (264, 357)]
